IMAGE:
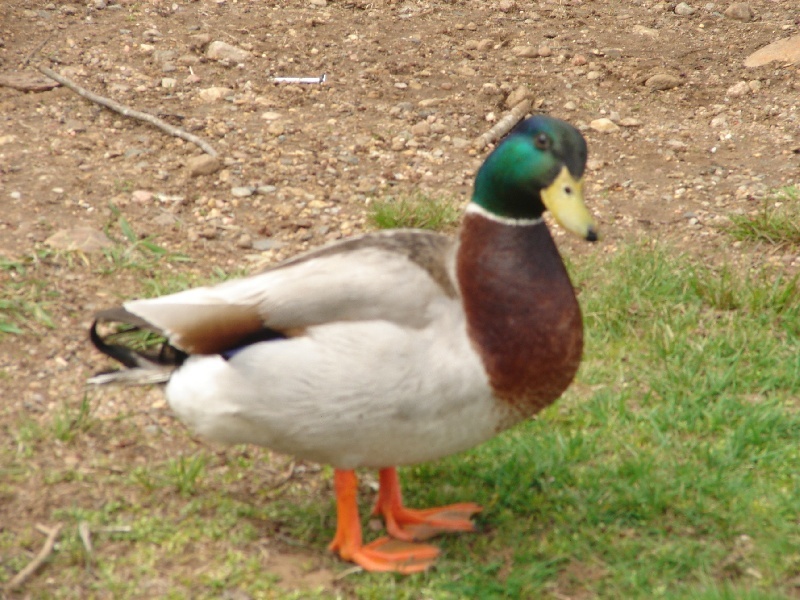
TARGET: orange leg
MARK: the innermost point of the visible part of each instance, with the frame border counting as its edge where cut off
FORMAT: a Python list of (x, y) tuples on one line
[(408, 524), (383, 554)]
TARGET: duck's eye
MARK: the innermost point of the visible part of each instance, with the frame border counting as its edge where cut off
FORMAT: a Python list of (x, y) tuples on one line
[(542, 142)]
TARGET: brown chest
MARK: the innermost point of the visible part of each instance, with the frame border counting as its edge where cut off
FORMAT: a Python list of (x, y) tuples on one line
[(522, 314)]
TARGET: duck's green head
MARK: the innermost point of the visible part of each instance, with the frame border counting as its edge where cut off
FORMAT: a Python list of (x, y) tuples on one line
[(538, 167)]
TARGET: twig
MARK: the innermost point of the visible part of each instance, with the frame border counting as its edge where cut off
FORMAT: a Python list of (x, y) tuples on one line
[(130, 112), (504, 125), (36, 50), (21, 577), (86, 536)]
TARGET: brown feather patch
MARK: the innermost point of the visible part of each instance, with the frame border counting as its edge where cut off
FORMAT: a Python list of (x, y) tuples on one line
[(521, 310)]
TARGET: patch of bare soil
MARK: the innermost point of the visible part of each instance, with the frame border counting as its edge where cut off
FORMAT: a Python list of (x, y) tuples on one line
[(692, 136)]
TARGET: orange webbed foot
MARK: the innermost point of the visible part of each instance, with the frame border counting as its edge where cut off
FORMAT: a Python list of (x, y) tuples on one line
[(384, 554), (416, 525)]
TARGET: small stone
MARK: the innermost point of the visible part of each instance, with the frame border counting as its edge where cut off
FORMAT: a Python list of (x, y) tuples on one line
[(517, 96), (422, 128), (630, 122), (203, 165), (168, 82), (506, 5), (83, 239), (604, 125), (544, 51), (100, 4), (754, 85), (244, 241), (684, 10), (142, 197), (594, 75), (578, 60), (662, 81), (460, 143), (525, 51), (490, 89), (276, 128), (271, 116), (740, 11), (214, 94), (737, 90), (570, 105), (318, 3), (719, 121), (223, 51), (199, 41), (645, 31), (242, 191), (485, 44)]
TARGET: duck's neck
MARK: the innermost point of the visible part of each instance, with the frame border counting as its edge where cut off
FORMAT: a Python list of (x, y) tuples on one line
[(521, 310)]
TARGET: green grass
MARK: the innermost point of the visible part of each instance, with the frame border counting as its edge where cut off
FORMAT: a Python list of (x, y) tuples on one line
[(777, 222), (418, 211), (25, 298), (668, 470)]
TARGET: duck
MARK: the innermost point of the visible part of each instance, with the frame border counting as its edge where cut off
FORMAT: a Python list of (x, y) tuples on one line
[(386, 349)]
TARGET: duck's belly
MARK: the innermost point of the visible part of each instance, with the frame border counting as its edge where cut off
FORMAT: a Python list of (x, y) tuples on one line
[(351, 395)]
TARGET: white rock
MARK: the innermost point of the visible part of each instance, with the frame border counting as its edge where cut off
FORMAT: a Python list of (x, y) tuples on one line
[(737, 90), (223, 51), (214, 94), (604, 125), (684, 10), (525, 51)]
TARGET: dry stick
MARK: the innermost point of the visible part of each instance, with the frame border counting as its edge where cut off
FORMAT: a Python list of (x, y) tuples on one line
[(44, 553), (129, 112), (35, 51), (504, 125)]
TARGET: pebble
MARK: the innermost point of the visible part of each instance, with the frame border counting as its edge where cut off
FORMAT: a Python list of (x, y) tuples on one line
[(525, 51), (244, 241), (214, 94), (203, 164), (142, 196), (604, 125), (630, 122), (276, 128), (422, 128), (198, 41), (579, 60), (545, 51), (684, 10), (593, 75), (719, 121), (517, 96), (224, 51), (662, 81), (570, 105), (739, 89), (459, 143), (740, 11), (168, 82), (242, 191), (490, 89), (84, 239)]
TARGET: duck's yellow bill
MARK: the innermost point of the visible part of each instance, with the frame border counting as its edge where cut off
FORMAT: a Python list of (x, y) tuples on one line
[(564, 199)]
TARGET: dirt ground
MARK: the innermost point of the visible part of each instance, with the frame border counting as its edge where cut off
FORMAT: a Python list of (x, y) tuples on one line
[(409, 86)]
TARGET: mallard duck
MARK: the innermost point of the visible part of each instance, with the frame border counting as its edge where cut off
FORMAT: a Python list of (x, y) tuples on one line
[(387, 349)]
